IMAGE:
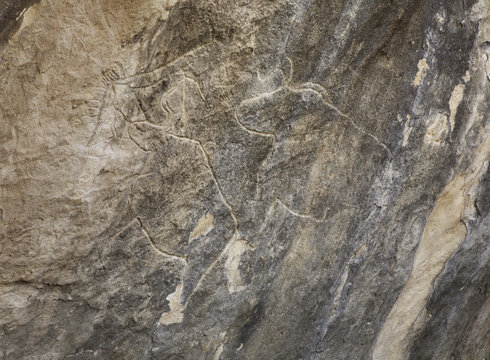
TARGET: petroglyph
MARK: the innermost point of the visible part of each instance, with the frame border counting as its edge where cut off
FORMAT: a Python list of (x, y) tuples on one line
[(223, 179), (276, 93)]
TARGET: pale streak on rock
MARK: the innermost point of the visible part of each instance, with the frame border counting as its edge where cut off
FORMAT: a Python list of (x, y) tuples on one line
[(204, 225), (454, 101), (176, 313), (407, 130), (443, 234), (225, 251), (261, 96), (340, 288), (423, 67), (218, 352), (437, 129), (220, 348), (234, 254)]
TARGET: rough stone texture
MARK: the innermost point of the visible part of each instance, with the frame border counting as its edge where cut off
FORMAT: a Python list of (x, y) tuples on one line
[(290, 179)]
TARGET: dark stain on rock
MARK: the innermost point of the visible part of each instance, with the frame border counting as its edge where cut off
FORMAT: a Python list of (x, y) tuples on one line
[(250, 321), (11, 15)]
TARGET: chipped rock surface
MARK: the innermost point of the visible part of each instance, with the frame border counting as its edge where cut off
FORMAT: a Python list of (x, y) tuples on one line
[(290, 179)]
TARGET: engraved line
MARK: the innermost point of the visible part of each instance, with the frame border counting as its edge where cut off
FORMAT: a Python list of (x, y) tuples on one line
[(345, 116), (156, 72), (236, 234), (154, 246), (295, 213), (206, 156), (256, 132)]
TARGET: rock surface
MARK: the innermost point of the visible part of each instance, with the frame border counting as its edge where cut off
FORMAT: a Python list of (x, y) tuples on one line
[(290, 179)]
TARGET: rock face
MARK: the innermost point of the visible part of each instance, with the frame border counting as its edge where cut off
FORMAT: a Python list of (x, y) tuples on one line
[(290, 179)]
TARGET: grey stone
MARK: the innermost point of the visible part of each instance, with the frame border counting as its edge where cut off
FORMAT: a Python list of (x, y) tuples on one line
[(259, 179)]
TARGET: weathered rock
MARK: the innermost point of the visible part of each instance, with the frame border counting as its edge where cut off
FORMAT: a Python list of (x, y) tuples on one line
[(244, 179)]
